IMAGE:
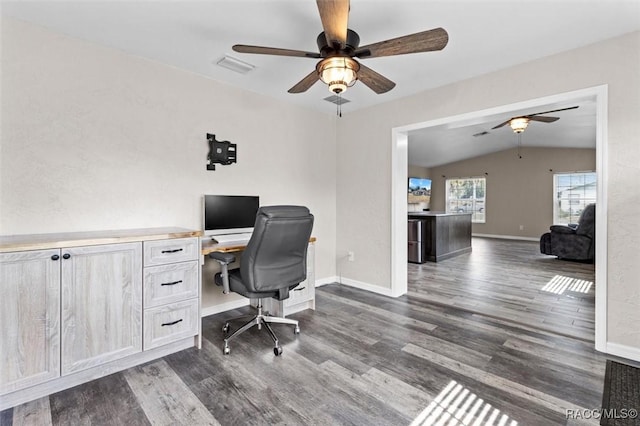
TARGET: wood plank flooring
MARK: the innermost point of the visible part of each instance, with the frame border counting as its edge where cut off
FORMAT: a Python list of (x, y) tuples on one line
[(367, 359), (511, 280)]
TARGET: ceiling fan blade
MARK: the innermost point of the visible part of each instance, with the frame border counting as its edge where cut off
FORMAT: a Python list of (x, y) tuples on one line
[(553, 110), (334, 15), (425, 41), (304, 84), (544, 119), (501, 124), (374, 81), (243, 48)]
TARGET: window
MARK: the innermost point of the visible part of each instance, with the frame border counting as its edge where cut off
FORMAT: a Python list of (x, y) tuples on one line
[(467, 195), (572, 192)]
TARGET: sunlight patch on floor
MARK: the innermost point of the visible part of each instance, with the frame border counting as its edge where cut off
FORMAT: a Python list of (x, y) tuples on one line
[(457, 405), (560, 284)]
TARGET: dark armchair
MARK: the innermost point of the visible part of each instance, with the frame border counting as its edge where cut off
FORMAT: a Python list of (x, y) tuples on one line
[(572, 242)]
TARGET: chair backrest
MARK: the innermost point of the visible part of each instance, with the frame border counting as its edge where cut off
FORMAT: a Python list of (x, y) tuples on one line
[(587, 221), (276, 254)]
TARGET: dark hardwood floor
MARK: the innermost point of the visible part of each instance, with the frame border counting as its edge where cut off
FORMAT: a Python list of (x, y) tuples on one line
[(511, 280), (469, 342)]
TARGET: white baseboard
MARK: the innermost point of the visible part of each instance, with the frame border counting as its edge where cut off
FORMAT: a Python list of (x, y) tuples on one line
[(327, 280), (366, 286), (223, 307), (623, 351), (506, 237)]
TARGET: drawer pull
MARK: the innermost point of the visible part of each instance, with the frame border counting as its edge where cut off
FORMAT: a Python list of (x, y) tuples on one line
[(172, 323), (299, 289), (173, 283), (172, 251)]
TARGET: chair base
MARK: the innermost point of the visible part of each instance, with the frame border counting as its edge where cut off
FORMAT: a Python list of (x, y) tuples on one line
[(259, 320)]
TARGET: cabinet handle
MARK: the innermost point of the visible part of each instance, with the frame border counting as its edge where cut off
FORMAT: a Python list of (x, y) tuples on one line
[(299, 289), (172, 323), (172, 251), (55, 257), (66, 256), (173, 283)]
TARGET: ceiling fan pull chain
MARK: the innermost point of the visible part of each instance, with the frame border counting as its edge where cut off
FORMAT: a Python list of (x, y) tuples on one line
[(339, 106), (519, 145)]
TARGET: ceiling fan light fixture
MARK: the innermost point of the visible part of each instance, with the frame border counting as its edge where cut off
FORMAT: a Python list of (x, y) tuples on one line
[(338, 72), (519, 124)]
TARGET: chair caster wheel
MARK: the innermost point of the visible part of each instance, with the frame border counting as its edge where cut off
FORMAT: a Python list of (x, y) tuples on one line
[(226, 350), (277, 350), (225, 328), (296, 330)]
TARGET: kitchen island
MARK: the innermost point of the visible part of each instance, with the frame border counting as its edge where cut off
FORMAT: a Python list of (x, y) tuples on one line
[(440, 236)]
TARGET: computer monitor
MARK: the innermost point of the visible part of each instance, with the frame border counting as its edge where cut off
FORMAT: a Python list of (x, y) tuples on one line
[(229, 214)]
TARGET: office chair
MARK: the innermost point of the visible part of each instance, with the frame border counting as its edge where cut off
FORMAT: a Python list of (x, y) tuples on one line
[(273, 263)]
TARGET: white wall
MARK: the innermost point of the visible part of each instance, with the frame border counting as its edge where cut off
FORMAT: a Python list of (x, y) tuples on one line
[(364, 215), (93, 138), (521, 189)]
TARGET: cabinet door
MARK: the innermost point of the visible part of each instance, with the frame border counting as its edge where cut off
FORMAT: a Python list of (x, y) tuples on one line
[(101, 304), (29, 318)]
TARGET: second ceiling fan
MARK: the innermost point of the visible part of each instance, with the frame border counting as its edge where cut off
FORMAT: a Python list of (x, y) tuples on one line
[(339, 46), (520, 123)]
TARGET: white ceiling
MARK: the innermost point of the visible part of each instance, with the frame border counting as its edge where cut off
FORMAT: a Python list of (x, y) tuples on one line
[(483, 36), (193, 35)]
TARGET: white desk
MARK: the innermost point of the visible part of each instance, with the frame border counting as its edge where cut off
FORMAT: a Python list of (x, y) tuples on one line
[(213, 301)]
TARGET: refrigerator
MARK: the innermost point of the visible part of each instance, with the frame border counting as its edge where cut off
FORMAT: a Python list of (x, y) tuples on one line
[(417, 241)]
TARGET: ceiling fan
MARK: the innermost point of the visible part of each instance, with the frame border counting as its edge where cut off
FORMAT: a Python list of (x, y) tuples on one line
[(339, 46), (519, 124)]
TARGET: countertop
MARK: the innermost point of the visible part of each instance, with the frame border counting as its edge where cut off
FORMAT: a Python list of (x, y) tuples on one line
[(10, 243), (431, 214)]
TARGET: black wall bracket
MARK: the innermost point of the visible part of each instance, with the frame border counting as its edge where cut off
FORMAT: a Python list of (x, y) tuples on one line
[(221, 152)]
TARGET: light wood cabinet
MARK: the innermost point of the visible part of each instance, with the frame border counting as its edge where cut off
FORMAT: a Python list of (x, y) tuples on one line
[(101, 304), (29, 318), (72, 308), (171, 290)]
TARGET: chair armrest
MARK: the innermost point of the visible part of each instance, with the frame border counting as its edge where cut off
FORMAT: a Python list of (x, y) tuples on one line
[(562, 229), (223, 258), (222, 278)]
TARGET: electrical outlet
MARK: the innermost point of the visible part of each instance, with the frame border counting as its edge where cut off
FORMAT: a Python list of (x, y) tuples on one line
[(351, 256), (522, 227)]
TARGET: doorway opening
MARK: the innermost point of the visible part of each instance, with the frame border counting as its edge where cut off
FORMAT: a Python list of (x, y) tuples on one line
[(399, 171)]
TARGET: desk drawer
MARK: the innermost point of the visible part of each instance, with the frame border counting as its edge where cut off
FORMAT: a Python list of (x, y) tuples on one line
[(169, 323), (170, 283), (170, 251), (299, 294)]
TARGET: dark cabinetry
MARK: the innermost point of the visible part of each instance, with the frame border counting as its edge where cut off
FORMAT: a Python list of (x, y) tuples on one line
[(442, 235)]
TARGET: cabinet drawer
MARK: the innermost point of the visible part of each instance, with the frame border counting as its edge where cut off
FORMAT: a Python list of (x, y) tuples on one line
[(168, 323), (170, 251), (300, 294), (170, 283)]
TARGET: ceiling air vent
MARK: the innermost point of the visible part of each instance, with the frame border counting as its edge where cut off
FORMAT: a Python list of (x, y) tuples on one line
[(236, 65), (338, 100), (481, 134)]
